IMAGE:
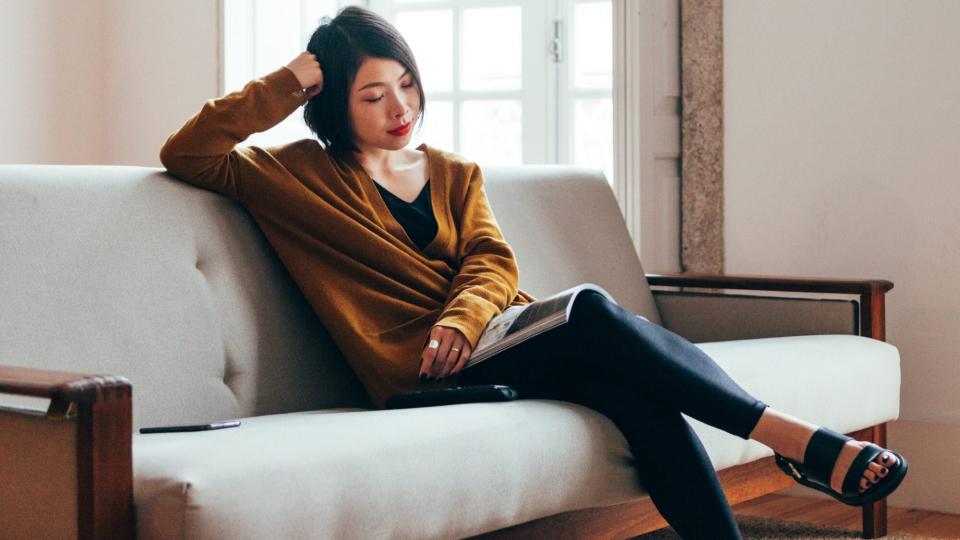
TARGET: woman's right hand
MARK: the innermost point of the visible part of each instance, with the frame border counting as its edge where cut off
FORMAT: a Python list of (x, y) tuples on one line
[(307, 69)]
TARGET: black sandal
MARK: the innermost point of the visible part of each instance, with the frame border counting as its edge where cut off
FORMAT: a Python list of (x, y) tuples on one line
[(821, 455)]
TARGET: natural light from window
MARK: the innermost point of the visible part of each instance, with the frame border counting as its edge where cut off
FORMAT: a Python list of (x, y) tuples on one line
[(523, 81)]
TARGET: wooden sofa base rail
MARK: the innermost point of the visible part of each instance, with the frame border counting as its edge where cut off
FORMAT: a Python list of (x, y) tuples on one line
[(740, 483)]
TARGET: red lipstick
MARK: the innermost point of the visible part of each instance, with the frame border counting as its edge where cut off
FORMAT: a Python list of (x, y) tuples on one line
[(402, 130)]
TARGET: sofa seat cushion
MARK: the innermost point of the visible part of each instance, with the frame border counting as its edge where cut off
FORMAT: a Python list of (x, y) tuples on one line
[(460, 470), (844, 382), (437, 472)]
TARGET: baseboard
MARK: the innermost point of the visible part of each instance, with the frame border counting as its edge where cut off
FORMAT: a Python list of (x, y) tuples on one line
[(931, 450)]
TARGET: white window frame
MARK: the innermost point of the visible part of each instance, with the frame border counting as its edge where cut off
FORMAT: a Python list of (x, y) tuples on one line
[(565, 94), (537, 121), (545, 96), (645, 139), (550, 106), (243, 47)]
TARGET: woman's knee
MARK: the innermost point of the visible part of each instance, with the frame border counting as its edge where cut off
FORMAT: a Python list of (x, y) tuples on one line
[(590, 305)]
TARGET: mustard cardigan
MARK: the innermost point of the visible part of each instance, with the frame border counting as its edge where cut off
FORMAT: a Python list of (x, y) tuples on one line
[(374, 290)]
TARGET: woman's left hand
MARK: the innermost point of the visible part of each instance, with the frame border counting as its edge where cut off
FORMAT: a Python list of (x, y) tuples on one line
[(448, 357)]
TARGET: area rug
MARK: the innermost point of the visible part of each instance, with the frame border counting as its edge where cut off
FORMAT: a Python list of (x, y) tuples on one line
[(754, 528)]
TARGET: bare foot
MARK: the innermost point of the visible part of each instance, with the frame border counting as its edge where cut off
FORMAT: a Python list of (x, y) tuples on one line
[(877, 469)]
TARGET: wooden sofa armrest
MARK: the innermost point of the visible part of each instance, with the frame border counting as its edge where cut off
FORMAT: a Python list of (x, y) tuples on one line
[(772, 283), (870, 291), (62, 386), (97, 411)]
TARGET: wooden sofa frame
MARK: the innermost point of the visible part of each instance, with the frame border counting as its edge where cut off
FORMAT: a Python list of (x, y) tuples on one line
[(100, 407)]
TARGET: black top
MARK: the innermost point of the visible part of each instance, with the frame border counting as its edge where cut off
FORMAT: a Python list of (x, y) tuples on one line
[(416, 218)]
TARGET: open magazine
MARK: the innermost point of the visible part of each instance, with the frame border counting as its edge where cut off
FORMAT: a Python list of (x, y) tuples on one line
[(519, 323)]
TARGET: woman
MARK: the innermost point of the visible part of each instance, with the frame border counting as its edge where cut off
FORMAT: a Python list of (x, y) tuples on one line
[(399, 253)]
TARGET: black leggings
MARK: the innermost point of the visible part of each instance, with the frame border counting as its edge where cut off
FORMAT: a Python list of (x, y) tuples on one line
[(642, 377)]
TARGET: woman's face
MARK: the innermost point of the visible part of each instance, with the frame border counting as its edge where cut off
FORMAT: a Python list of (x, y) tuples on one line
[(383, 97)]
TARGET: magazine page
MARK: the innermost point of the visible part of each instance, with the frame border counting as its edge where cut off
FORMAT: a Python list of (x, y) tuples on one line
[(519, 323)]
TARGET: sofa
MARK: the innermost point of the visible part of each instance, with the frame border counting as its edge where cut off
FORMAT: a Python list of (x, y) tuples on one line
[(131, 299)]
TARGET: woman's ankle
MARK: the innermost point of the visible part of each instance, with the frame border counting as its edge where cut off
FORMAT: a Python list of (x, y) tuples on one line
[(787, 435)]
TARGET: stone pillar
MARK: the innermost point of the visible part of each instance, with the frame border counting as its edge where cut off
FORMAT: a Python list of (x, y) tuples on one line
[(701, 135)]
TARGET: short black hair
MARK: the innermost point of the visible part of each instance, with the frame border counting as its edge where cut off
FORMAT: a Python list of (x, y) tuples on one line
[(340, 46)]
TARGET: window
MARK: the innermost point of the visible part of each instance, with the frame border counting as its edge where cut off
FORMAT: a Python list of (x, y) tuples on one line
[(260, 36), (507, 81), (585, 88)]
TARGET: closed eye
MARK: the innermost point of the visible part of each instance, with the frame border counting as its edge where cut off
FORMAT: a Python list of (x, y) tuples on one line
[(381, 97)]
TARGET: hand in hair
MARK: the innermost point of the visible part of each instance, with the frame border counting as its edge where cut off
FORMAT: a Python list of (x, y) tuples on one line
[(308, 72)]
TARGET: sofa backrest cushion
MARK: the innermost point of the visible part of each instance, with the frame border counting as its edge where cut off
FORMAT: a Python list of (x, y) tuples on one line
[(566, 228), (128, 271)]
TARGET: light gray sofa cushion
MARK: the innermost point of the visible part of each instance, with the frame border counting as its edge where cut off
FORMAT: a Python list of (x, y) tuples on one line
[(816, 378), (461, 470), (126, 271), (566, 228)]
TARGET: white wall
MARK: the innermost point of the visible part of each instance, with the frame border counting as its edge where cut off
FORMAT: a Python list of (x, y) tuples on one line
[(162, 64), (842, 159), (102, 81), (50, 97)]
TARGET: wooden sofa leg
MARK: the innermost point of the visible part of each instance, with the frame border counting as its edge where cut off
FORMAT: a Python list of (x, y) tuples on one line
[(875, 515), (875, 519)]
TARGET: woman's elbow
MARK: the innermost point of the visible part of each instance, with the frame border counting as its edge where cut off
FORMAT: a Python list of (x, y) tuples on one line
[(169, 154)]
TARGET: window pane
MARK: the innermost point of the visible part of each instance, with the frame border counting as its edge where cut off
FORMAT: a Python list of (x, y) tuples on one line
[(430, 36), (277, 34), (491, 49), (593, 134), (437, 128), (237, 45), (593, 46), (491, 132)]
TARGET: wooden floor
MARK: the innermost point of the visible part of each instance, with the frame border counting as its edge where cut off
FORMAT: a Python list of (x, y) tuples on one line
[(834, 514)]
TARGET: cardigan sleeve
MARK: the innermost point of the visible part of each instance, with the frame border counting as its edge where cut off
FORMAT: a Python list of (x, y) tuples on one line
[(488, 277), (202, 152)]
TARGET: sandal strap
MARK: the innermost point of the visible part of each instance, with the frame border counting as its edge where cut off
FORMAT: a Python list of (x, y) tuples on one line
[(822, 453), (851, 482)]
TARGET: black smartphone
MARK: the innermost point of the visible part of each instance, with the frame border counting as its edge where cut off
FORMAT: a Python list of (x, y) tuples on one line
[(449, 396), (194, 427)]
